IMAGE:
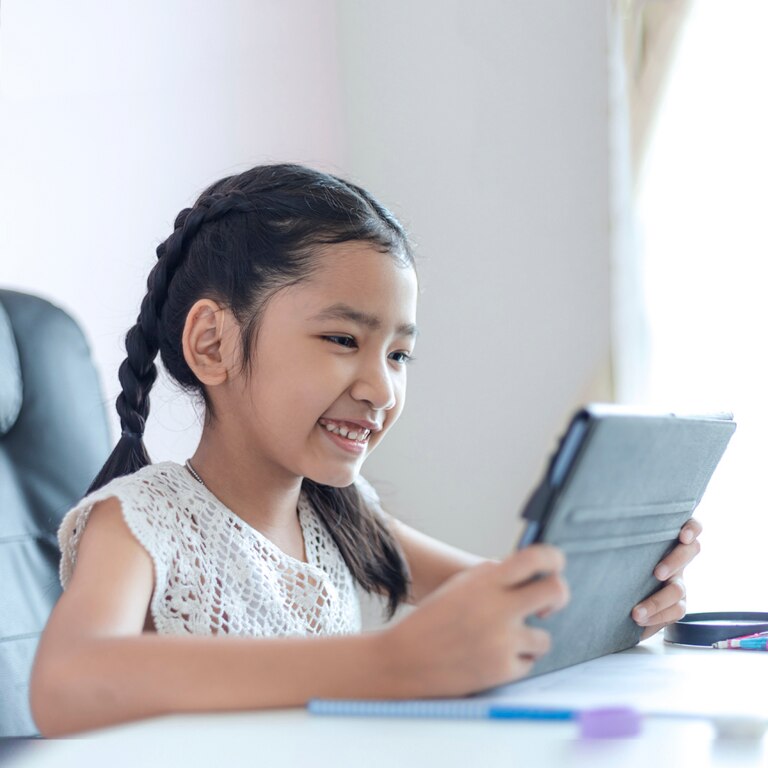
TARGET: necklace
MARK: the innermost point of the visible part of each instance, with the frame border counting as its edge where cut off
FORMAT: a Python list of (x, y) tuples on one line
[(194, 474)]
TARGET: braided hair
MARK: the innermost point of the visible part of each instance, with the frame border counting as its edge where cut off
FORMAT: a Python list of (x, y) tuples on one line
[(246, 237)]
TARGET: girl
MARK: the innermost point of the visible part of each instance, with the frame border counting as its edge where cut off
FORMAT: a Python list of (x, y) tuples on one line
[(285, 299)]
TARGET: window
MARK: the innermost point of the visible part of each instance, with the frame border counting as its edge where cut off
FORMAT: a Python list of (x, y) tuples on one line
[(702, 204)]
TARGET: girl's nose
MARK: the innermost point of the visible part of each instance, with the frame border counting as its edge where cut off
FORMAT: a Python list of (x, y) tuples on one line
[(374, 385)]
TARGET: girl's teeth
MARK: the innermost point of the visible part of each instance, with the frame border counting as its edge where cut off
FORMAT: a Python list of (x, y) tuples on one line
[(347, 433)]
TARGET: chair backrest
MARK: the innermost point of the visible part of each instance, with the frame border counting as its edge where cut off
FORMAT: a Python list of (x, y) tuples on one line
[(54, 438)]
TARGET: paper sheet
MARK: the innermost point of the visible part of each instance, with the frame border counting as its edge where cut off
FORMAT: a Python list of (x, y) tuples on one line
[(706, 683)]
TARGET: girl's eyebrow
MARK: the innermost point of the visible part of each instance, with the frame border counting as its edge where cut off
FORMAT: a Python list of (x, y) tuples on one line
[(343, 311)]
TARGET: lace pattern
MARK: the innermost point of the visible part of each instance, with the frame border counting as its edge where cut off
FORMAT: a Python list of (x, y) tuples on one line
[(214, 572)]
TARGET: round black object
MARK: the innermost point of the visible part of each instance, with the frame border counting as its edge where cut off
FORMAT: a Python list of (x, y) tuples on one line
[(709, 628)]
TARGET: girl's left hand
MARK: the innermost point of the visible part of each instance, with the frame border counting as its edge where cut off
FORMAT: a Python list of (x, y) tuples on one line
[(668, 604)]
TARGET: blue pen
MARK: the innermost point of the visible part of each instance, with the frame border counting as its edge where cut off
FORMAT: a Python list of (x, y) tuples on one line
[(468, 709), (594, 723), (525, 713)]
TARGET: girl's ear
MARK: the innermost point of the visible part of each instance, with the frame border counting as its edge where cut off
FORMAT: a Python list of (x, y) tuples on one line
[(209, 342)]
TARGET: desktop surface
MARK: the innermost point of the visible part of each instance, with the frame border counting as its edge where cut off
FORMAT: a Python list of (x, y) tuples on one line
[(294, 737)]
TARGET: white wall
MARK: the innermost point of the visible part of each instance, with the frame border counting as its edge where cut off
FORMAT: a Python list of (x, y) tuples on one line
[(115, 116), (483, 125)]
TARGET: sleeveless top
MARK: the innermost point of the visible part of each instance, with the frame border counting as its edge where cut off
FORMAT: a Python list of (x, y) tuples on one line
[(215, 573)]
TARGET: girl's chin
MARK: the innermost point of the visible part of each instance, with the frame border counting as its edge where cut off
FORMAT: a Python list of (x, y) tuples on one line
[(339, 478)]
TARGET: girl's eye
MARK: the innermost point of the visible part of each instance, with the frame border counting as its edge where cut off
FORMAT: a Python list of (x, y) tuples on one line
[(402, 357), (344, 341), (351, 343)]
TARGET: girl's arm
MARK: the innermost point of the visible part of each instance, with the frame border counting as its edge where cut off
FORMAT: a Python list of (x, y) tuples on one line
[(95, 668), (431, 562)]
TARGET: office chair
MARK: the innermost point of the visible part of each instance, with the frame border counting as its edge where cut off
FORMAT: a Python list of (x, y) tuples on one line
[(54, 438)]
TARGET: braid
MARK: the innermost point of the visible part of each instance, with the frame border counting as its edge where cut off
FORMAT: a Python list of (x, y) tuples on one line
[(138, 372)]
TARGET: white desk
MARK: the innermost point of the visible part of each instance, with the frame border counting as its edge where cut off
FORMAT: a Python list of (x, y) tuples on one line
[(294, 738)]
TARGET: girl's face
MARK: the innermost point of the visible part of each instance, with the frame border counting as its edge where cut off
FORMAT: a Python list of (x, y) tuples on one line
[(329, 367)]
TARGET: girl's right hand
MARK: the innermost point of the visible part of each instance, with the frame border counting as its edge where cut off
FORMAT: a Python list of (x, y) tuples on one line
[(470, 634)]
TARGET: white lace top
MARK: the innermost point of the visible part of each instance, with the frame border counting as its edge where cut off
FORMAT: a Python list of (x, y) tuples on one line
[(214, 572)]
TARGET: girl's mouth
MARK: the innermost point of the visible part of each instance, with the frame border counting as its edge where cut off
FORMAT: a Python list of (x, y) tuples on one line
[(353, 434)]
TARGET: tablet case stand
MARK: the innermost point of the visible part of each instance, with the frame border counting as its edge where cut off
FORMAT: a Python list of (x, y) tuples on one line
[(614, 498)]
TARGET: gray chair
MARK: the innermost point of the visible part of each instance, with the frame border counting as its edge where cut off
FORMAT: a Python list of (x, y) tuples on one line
[(54, 438)]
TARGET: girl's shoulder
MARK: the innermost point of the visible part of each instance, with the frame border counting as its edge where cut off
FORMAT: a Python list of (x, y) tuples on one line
[(143, 495), (153, 481)]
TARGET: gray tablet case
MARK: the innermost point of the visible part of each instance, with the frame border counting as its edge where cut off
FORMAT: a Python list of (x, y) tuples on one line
[(614, 497)]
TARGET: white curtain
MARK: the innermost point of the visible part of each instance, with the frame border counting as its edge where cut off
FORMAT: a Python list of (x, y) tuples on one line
[(643, 37)]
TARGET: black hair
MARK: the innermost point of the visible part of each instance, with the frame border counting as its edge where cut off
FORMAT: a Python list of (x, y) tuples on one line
[(246, 237)]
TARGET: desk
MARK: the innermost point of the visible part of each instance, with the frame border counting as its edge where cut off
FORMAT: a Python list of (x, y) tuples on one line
[(294, 738)]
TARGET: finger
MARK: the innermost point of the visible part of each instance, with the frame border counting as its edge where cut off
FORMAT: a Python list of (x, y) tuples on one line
[(651, 631), (545, 594), (656, 607), (690, 531), (519, 666), (676, 560), (670, 615), (525, 564), (533, 642)]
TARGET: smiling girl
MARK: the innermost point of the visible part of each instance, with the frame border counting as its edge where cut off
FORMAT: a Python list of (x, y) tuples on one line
[(285, 301)]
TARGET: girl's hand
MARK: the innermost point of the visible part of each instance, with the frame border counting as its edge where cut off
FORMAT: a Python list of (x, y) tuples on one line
[(668, 604), (470, 633)]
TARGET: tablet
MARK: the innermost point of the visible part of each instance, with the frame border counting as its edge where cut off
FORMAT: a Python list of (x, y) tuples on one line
[(614, 497)]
